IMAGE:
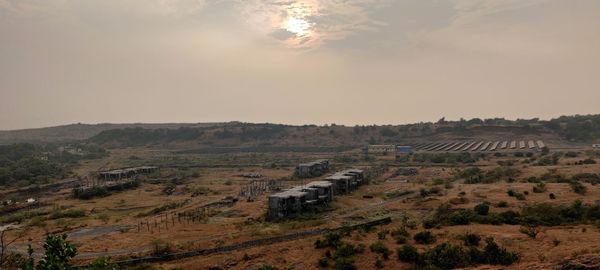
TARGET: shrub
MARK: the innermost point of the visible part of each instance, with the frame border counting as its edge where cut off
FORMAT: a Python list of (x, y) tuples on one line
[(379, 247), (379, 263), (471, 239), (71, 213), (360, 248), (502, 204), (461, 217), (448, 256), (344, 250), (495, 254), (160, 247), (89, 193), (332, 239), (571, 154), (320, 244), (382, 234), (482, 209), (424, 238), (578, 187), (510, 217), (266, 267), (539, 188), (102, 263), (323, 262), (344, 263), (400, 235), (552, 196), (531, 231), (430, 223), (407, 253), (588, 161), (400, 231)]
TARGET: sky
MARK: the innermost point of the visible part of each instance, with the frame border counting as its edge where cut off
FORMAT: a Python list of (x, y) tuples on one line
[(295, 61)]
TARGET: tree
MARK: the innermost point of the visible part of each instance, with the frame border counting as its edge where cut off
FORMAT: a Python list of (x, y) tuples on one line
[(57, 256)]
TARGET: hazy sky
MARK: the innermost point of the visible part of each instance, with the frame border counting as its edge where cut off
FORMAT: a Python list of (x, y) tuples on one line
[(287, 61)]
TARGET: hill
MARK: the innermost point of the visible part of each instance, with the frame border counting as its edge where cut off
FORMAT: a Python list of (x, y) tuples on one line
[(75, 132), (578, 129)]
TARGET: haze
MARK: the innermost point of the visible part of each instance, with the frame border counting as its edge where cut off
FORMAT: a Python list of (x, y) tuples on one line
[(313, 61)]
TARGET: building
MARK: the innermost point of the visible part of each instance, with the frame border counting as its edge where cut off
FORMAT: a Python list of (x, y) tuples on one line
[(346, 181), (381, 149), (298, 199), (126, 173), (302, 198), (403, 150), (312, 169)]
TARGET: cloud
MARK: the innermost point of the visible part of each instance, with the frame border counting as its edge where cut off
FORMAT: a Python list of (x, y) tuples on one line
[(327, 19), (44, 8)]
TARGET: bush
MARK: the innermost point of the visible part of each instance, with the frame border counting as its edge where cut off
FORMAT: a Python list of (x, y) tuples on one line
[(588, 161), (552, 196), (502, 204), (539, 188), (448, 256), (482, 209), (160, 247), (382, 234), (510, 217), (266, 267), (71, 213), (531, 231), (571, 154), (430, 223), (400, 235), (578, 187), (102, 263), (471, 239), (360, 248), (344, 263), (407, 253), (461, 217), (332, 239), (424, 238), (495, 254), (346, 250), (90, 193), (323, 262), (379, 247)]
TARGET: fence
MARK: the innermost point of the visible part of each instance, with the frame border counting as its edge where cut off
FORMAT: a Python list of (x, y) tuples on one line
[(161, 221)]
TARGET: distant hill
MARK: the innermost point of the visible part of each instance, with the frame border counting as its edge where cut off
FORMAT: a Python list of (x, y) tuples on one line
[(78, 131), (578, 129)]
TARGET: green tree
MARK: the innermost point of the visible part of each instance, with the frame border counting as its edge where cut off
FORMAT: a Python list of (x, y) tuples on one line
[(57, 256)]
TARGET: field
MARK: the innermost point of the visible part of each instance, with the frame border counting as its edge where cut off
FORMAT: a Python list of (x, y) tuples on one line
[(147, 219)]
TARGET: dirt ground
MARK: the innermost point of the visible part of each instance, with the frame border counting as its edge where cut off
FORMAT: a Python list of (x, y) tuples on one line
[(111, 226)]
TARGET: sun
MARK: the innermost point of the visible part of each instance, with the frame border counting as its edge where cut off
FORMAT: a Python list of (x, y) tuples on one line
[(298, 26)]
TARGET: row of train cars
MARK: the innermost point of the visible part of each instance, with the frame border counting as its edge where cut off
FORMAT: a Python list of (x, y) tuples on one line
[(480, 146)]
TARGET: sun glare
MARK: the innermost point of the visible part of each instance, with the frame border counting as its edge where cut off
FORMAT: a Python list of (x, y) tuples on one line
[(297, 26)]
